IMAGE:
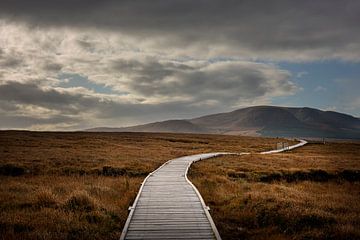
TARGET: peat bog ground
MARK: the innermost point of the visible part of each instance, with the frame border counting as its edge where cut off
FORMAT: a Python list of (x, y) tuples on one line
[(57, 185), (312, 192)]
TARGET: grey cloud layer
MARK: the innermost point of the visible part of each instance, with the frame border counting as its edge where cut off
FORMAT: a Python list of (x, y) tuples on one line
[(222, 82), (28, 93), (160, 89), (280, 29), (27, 105), (158, 59), (144, 86)]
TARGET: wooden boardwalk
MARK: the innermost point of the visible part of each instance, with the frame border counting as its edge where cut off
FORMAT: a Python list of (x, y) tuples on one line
[(168, 206), (300, 144)]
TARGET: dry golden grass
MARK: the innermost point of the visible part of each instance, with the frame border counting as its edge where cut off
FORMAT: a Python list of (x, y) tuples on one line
[(67, 153), (64, 207), (303, 194), (80, 185)]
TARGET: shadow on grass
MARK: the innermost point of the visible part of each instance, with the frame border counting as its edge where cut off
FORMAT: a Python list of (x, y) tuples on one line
[(315, 175)]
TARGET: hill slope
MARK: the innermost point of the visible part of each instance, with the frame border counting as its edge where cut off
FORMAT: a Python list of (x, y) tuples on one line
[(261, 120)]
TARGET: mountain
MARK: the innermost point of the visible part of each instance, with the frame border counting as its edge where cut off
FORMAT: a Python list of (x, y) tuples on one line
[(261, 121), (283, 121)]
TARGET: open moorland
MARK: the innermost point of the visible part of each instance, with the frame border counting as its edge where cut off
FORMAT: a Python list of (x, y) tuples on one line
[(80, 185), (312, 192)]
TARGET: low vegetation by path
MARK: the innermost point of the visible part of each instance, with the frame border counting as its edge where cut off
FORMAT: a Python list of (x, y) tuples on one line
[(80, 185), (64, 207), (308, 193)]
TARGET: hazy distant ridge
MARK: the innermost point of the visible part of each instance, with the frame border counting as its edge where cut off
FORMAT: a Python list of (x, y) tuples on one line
[(259, 120)]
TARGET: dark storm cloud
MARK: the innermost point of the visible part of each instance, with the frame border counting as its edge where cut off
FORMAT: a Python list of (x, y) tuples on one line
[(20, 102), (28, 93), (224, 82), (24, 105), (15, 121), (66, 101), (52, 67), (10, 62), (328, 27), (159, 59), (56, 106)]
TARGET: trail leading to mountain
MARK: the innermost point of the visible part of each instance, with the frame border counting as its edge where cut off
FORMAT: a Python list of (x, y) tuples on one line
[(168, 205)]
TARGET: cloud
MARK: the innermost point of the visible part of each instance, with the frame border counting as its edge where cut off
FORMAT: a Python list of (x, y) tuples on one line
[(146, 77), (27, 105), (32, 94), (158, 90), (72, 64), (72, 79), (280, 29), (227, 82)]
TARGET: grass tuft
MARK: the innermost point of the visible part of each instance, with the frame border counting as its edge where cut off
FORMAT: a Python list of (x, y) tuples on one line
[(45, 198), (80, 201)]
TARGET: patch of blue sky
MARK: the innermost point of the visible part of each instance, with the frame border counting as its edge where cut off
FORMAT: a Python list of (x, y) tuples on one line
[(75, 80), (324, 84)]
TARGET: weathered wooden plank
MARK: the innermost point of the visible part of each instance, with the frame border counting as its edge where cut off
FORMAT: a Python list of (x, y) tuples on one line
[(171, 229), (173, 218), (167, 206), (171, 233), (177, 223), (208, 235), (169, 237)]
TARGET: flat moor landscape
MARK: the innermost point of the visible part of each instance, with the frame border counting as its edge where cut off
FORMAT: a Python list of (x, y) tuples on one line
[(181, 119), (79, 185)]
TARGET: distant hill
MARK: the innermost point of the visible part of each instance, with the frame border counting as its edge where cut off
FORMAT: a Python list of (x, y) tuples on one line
[(260, 121)]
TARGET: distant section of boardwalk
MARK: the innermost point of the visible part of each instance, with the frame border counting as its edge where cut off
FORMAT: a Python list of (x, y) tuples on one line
[(300, 144), (168, 206)]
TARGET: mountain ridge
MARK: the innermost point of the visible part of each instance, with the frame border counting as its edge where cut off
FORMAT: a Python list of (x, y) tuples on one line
[(269, 121)]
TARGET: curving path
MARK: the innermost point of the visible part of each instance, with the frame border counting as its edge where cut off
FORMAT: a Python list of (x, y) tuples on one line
[(300, 144), (168, 206)]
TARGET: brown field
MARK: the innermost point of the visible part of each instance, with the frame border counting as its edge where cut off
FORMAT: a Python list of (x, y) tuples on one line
[(80, 185), (309, 193)]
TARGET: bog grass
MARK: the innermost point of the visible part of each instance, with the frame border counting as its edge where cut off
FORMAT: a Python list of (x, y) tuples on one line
[(80, 185), (309, 193)]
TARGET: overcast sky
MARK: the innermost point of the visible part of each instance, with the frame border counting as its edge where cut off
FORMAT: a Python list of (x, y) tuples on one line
[(75, 64)]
